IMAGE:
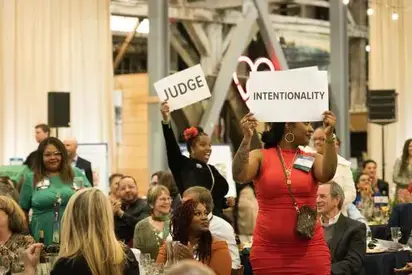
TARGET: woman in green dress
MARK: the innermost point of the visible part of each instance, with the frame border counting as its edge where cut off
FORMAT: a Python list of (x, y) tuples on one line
[(48, 188), (152, 232)]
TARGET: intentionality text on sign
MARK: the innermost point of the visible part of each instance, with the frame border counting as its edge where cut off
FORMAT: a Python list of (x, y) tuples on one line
[(289, 96)]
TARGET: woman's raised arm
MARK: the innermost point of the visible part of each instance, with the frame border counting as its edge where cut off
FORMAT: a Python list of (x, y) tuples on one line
[(245, 166), (175, 157)]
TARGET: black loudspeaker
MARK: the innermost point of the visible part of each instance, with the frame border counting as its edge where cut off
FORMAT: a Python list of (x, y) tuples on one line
[(382, 105), (58, 109)]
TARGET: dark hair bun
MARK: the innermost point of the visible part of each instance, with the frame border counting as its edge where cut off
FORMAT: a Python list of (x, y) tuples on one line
[(266, 136), (272, 137)]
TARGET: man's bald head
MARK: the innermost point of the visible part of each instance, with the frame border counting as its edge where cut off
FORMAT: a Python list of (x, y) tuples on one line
[(201, 194), (71, 146), (190, 267)]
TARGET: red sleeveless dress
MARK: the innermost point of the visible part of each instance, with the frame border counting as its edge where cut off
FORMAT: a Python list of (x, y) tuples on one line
[(277, 249)]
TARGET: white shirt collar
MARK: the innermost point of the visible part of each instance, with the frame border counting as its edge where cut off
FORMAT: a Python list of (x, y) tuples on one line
[(307, 149), (332, 221), (343, 161)]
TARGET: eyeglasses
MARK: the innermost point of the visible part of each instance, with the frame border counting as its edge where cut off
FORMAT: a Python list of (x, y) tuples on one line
[(165, 199), (54, 154), (322, 139)]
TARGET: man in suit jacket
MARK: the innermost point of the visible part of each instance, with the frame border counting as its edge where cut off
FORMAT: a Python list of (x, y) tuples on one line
[(81, 163), (346, 238)]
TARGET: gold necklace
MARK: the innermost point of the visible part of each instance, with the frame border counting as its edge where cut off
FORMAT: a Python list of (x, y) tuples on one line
[(288, 169)]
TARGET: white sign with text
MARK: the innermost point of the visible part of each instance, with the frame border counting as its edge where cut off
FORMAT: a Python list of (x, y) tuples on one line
[(183, 88), (289, 96), (254, 68)]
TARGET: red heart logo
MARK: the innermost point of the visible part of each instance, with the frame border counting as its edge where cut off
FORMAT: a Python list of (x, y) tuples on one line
[(253, 66)]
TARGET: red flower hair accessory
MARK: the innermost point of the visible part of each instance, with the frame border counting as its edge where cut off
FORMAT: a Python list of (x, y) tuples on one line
[(190, 133), (410, 188)]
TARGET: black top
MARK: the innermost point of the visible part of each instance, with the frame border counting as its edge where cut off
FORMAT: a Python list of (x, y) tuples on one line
[(189, 172), (30, 160), (79, 266), (383, 187), (401, 217), (133, 213)]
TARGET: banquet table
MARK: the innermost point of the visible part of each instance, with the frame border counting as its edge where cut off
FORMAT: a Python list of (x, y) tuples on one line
[(384, 263)]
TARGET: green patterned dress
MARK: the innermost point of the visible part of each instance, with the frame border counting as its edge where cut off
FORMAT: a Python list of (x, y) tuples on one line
[(42, 199)]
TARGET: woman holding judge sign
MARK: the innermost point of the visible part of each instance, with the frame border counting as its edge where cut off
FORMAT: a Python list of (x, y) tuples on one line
[(288, 238), (193, 171)]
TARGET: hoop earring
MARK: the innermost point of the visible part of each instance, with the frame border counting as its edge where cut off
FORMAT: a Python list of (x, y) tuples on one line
[(289, 137)]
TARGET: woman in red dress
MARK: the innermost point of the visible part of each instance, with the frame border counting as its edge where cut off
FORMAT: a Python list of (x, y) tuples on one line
[(277, 247)]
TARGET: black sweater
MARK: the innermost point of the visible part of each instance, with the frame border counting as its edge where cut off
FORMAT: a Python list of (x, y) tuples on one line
[(79, 266), (189, 172), (133, 213)]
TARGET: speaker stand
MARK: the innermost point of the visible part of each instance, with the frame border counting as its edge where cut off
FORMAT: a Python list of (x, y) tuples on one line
[(57, 132), (383, 124), (383, 150)]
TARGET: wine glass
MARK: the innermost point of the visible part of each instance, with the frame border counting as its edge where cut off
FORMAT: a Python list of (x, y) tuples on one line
[(77, 183), (158, 269), (5, 263), (146, 260), (378, 215), (396, 234), (368, 236)]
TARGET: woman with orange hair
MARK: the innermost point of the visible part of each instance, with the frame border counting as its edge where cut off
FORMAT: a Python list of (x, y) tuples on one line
[(194, 170)]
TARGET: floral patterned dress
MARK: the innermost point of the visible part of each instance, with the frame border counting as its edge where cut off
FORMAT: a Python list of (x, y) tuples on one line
[(15, 244)]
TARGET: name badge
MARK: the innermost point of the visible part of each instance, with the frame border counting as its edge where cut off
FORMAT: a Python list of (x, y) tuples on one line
[(44, 184), (304, 163), (381, 199)]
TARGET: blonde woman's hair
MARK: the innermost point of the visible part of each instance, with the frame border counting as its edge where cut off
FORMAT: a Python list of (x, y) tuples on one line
[(88, 231), (17, 218)]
